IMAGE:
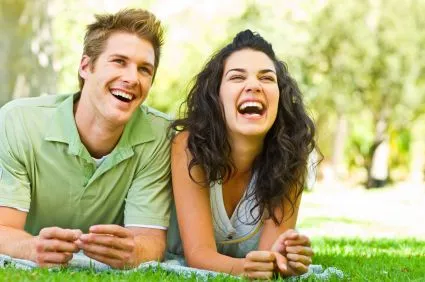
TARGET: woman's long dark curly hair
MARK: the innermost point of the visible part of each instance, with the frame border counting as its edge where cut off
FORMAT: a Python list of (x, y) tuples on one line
[(280, 168)]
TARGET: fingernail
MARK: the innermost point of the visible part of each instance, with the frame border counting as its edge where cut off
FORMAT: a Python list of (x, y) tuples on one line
[(84, 237), (78, 232)]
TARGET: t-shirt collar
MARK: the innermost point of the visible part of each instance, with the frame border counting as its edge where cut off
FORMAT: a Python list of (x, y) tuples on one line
[(63, 128)]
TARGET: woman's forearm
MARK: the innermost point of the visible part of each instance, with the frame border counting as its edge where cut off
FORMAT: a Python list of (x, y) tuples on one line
[(212, 260)]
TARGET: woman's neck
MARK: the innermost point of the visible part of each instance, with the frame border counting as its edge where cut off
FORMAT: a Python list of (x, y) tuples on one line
[(244, 151)]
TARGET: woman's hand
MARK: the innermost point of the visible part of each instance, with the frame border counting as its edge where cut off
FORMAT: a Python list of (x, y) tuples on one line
[(259, 265), (297, 250)]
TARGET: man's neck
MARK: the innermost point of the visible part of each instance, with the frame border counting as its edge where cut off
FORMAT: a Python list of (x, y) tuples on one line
[(98, 135)]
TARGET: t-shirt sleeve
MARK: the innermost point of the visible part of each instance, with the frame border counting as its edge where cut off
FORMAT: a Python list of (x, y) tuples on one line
[(14, 182), (149, 197)]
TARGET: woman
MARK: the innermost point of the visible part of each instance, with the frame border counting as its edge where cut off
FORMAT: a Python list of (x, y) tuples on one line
[(238, 166)]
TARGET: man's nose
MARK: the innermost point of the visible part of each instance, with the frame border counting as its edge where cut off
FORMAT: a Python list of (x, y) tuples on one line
[(131, 75)]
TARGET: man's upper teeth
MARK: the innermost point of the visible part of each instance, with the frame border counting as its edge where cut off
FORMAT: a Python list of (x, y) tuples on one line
[(122, 94), (251, 104)]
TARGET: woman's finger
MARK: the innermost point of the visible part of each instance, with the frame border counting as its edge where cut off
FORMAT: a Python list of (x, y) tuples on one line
[(306, 260)]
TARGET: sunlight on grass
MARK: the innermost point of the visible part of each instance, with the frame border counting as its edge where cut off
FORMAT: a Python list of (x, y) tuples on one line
[(373, 260), (360, 260)]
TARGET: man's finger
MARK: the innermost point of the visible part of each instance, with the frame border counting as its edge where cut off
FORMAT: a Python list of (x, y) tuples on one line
[(104, 251), (59, 233), (108, 241), (114, 263), (50, 258), (260, 256), (54, 245), (111, 229)]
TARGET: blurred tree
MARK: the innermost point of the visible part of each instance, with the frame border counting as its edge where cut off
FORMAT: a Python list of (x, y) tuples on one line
[(68, 29), (26, 44), (395, 88), (366, 60), (193, 34)]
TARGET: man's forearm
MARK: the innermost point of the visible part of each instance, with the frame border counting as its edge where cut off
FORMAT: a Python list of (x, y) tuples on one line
[(149, 248), (17, 243)]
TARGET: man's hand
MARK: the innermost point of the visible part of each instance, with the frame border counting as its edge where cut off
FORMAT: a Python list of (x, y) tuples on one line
[(113, 245), (55, 246), (297, 250), (259, 265)]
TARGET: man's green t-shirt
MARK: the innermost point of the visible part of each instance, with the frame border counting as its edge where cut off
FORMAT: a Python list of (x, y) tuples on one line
[(46, 171)]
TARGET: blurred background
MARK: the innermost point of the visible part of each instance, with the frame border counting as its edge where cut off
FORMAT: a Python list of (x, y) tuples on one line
[(360, 65)]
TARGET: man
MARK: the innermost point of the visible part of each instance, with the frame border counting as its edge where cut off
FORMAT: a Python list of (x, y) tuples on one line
[(90, 171)]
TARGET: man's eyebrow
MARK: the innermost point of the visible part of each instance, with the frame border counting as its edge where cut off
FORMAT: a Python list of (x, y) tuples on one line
[(127, 58), (119, 56)]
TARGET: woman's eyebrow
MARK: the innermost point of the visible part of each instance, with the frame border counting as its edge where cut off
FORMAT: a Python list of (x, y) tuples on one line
[(236, 69), (266, 71)]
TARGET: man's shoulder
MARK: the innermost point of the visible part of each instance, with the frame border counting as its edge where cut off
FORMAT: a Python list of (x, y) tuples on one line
[(156, 118), (35, 103), (154, 113)]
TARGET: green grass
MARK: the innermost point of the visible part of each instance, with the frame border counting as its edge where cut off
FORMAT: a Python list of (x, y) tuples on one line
[(360, 260), (373, 260)]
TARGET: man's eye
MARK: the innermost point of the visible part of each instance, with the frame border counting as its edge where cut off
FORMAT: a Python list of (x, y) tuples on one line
[(119, 61), (145, 70)]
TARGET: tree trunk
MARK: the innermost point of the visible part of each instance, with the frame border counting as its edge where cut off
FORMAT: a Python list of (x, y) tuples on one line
[(26, 59), (340, 134), (378, 158), (417, 152)]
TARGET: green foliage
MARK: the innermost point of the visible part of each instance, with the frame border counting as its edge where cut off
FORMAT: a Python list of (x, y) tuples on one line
[(358, 60)]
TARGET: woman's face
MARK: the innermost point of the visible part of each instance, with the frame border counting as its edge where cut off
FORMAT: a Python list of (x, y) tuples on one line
[(249, 93)]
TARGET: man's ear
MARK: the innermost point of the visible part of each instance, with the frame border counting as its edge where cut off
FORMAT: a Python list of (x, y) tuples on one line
[(85, 66)]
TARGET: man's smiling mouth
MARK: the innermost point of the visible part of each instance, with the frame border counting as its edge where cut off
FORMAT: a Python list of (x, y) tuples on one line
[(122, 96)]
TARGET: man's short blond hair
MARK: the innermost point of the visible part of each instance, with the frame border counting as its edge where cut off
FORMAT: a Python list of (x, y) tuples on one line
[(134, 21)]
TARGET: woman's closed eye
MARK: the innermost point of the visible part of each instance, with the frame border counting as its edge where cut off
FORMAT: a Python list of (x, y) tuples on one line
[(268, 78), (237, 77)]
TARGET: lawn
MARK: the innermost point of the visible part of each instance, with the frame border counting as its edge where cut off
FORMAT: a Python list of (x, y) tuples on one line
[(369, 235), (360, 260)]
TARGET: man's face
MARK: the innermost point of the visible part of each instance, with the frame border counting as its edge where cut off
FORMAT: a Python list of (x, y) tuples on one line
[(120, 79)]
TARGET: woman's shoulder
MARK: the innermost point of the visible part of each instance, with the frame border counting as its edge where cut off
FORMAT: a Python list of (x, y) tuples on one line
[(180, 138), (180, 143)]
